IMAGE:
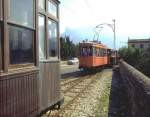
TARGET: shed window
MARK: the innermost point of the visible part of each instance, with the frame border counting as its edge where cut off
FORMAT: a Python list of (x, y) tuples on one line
[(52, 36), (22, 12), (41, 37), (20, 45), (42, 5), (52, 8)]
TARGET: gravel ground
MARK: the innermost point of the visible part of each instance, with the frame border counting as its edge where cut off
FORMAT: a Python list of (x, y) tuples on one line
[(87, 105), (105, 97)]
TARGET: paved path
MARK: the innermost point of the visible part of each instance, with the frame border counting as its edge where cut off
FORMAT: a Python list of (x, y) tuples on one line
[(64, 68), (118, 98)]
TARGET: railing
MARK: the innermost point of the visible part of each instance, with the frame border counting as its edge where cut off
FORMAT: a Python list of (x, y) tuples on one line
[(138, 90)]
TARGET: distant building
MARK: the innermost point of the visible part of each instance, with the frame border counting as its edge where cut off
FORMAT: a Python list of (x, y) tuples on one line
[(139, 43)]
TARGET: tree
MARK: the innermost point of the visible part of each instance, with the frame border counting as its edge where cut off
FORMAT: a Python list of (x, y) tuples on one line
[(139, 59), (67, 48)]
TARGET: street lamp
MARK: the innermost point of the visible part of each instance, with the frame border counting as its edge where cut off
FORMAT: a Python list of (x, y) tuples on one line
[(113, 27)]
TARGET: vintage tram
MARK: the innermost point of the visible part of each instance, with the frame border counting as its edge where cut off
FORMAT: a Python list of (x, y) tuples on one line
[(94, 55), (29, 57)]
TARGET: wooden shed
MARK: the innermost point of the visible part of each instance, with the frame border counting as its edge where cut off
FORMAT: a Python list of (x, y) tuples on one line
[(29, 57)]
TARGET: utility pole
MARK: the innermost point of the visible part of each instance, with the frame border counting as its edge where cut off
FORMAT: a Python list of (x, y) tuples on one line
[(114, 30), (113, 27)]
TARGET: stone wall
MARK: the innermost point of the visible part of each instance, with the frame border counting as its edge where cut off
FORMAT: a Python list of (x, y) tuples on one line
[(138, 90)]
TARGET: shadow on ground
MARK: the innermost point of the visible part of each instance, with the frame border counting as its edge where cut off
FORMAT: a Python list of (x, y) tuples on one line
[(118, 101)]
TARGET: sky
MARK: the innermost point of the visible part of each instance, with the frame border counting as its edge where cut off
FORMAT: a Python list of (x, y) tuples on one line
[(79, 17)]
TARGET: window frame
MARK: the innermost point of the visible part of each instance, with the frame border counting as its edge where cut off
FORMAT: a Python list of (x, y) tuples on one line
[(44, 36), (23, 64), (7, 23), (55, 4), (15, 23), (1, 47), (48, 17), (49, 56), (41, 10), (1, 10)]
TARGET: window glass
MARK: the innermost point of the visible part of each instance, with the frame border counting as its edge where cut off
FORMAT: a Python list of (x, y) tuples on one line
[(52, 8), (83, 51), (22, 12), (42, 5), (41, 36), (52, 37), (97, 52), (94, 51), (20, 45), (101, 52), (105, 52), (141, 46)]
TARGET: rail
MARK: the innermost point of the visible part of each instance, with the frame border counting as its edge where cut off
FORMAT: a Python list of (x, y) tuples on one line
[(138, 90)]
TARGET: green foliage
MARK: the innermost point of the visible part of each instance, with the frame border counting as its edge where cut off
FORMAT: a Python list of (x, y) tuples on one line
[(67, 48), (140, 59)]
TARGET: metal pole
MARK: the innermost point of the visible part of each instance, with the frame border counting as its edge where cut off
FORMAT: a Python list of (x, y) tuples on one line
[(114, 40)]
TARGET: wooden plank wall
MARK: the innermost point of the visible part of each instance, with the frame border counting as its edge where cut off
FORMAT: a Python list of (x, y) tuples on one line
[(19, 95), (49, 84)]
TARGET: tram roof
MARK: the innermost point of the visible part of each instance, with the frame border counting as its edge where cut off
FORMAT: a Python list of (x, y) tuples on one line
[(94, 44)]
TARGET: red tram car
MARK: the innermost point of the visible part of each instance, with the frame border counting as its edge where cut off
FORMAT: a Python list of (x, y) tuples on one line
[(94, 55)]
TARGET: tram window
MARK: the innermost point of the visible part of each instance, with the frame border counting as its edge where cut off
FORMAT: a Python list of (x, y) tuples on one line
[(53, 38), (41, 35), (86, 51), (20, 45), (90, 51), (52, 8), (101, 52), (42, 5), (105, 52), (97, 51), (22, 12), (94, 51)]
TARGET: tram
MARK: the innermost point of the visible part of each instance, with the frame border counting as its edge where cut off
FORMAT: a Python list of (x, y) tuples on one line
[(94, 55)]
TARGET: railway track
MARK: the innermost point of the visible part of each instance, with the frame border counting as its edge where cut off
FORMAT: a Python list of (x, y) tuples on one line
[(80, 94), (72, 90)]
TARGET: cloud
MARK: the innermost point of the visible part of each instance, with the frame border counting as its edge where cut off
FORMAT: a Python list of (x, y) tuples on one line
[(132, 17)]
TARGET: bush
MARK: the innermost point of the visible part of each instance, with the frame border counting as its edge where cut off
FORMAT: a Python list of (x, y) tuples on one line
[(139, 59)]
